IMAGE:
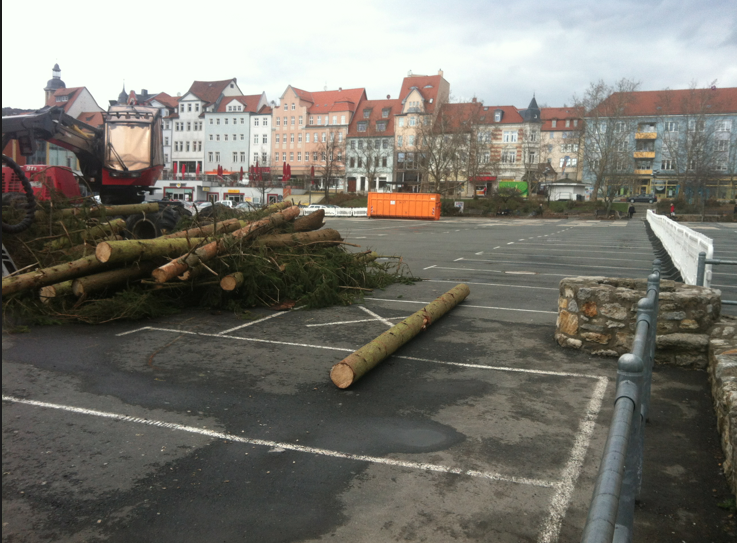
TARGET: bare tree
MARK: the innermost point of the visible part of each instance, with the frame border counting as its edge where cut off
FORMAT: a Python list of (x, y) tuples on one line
[(607, 154), (331, 159)]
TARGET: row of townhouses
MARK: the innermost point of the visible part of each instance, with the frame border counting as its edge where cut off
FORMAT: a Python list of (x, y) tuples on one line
[(658, 142)]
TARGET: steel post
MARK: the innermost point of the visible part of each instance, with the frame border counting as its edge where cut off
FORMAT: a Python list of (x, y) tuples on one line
[(701, 269)]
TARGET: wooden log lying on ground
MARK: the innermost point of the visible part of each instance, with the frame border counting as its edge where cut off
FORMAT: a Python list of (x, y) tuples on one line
[(128, 209), (222, 227), (327, 236), (133, 249), (177, 267), (313, 221), (100, 231), (52, 275), (354, 366), (112, 278), (232, 281), (54, 291)]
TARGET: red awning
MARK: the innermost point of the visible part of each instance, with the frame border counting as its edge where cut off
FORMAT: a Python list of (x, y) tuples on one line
[(482, 178)]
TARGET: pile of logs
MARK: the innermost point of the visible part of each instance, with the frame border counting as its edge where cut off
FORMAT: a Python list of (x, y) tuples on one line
[(184, 256)]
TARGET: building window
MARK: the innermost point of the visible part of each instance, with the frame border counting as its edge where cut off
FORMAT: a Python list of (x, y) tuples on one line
[(411, 141), (722, 145), (235, 156), (299, 156), (285, 123), (362, 126), (291, 157), (568, 123), (619, 127), (217, 137), (293, 107), (199, 146), (532, 157), (666, 164), (413, 121), (385, 144), (307, 137), (335, 119), (255, 138), (217, 156), (255, 157), (225, 120), (533, 136), (217, 121), (291, 138), (284, 157), (299, 137), (292, 121), (255, 121), (276, 140), (399, 141), (509, 136), (264, 157), (323, 137), (384, 161), (385, 113), (197, 107), (243, 137), (225, 137), (210, 120), (265, 138), (342, 119), (189, 127), (209, 157), (381, 126), (509, 156), (277, 122), (314, 156), (401, 122), (301, 118), (554, 123), (319, 119), (311, 119), (188, 147), (243, 156), (266, 121)]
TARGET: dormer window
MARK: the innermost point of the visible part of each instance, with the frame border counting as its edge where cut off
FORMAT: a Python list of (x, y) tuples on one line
[(385, 113), (366, 113), (554, 123), (498, 114)]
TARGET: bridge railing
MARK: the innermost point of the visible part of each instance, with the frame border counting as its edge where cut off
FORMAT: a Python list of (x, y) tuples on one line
[(612, 510)]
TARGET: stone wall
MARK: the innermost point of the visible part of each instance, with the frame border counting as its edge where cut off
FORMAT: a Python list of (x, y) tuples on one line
[(723, 377), (598, 314)]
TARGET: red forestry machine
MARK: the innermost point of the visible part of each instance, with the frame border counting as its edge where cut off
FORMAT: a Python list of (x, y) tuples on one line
[(120, 161)]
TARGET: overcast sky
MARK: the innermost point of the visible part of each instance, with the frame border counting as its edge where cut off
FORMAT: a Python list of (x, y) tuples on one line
[(500, 52)]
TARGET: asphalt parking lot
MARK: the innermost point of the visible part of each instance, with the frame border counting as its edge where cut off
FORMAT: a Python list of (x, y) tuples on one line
[(205, 427)]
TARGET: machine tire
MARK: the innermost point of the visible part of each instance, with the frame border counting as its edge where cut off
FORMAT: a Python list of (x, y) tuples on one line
[(168, 218), (143, 226), (28, 197)]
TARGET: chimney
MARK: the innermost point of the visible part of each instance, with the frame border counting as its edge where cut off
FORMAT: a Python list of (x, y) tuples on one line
[(340, 89), (473, 100), (388, 97), (144, 92), (440, 73)]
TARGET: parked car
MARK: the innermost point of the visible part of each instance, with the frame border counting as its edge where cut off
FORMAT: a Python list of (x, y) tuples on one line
[(649, 198), (247, 207)]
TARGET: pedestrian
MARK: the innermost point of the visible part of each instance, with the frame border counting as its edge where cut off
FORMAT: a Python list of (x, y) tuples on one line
[(672, 211), (631, 210)]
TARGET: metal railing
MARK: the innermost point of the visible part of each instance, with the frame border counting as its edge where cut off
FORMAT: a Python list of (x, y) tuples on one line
[(701, 275), (682, 244), (612, 510)]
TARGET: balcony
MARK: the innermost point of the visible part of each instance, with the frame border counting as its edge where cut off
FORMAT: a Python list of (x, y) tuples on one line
[(643, 172), (644, 154), (646, 135)]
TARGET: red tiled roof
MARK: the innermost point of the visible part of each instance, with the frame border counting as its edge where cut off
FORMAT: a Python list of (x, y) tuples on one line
[(376, 106), (548, 114), (459, 115), (336, 100), (92, 118), (510, 115), (167, 100), (250, 102), (265, 110), (71, 92), (422, 81), (209, 91), (675, 102)]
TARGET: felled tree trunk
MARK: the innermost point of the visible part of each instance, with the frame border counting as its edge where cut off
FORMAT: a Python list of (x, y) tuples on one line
[(222, 227), (177, 267), (128, 209), (327, 236), (54, 291), (100, 281), (134, 249), (313, 221), (354, 366), (52, 275), (100, 231), (232, 281)]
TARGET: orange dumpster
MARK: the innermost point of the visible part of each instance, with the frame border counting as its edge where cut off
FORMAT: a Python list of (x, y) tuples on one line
[(404, 205)]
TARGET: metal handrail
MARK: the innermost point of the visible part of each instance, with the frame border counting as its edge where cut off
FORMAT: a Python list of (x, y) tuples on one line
[(701, 271), (612, 510)]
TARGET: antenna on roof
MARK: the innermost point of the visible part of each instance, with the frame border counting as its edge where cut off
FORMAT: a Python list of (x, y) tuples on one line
[(325, 88)]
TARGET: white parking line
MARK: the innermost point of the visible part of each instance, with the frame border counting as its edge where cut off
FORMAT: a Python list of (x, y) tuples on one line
[(429, 267), (377, 317), (253, 322), (289, 446), (490, 284), (352, 322), (499, 271)]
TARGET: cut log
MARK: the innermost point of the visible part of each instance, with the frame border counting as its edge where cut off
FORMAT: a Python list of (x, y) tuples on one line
[(134, 249), (367, 257), (327, 236), (100, 231), (280, 206), (354, 366), (222, 227), (232, 281), (128, 209), (54, 291), (52, 275), (113, 278), (177, 267), (308, 223)]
